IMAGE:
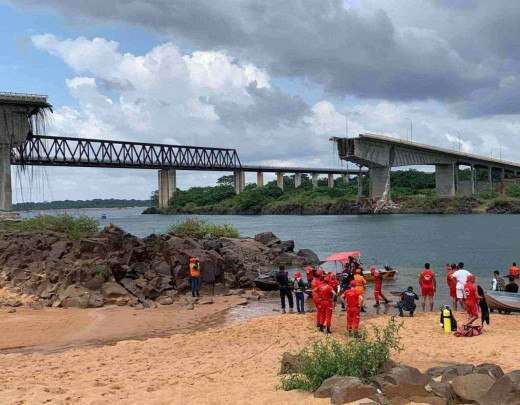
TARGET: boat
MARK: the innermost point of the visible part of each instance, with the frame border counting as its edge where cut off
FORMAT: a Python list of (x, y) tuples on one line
[(502, 301), (103, 216), (266, 281), (387, 272)]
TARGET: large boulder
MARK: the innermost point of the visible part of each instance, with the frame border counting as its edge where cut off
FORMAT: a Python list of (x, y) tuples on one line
[(491, 370), (114, 293), (308, 256), (457, 370), (471, 387), (75, 296), (267, 238), (402, 374), (501, 392), (350, 389)]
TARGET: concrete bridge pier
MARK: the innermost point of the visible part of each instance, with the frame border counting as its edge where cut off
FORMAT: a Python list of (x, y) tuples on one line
[(279, 180), (445, 180), (314, 180), (473, 180), (330, 180), (5, 178), (167, 186), (359, 186), (259, 179), (379, 178), (239, 179), (297, 180)]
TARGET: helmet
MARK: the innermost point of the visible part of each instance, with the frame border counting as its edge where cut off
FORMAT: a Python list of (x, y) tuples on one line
[(372, 269), (297, 274), (319, 273)]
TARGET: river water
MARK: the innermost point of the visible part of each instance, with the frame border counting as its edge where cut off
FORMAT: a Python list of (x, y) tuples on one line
[(483, 242)]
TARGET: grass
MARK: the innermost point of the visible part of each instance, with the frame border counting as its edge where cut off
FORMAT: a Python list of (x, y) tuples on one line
[(74, 227), (360, 358), (199, 229)]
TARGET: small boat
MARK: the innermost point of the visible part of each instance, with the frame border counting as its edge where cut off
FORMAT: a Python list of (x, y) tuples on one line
[(387, 272), (502, 301), (266, 281)]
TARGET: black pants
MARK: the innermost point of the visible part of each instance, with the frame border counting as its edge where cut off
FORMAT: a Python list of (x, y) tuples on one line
[(401, 308), (286, 292)]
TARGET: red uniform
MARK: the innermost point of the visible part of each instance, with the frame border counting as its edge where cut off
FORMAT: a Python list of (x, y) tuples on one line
[(471, 302), (452, 283), (427, 283), (315, 285), (351, 298), (378, 285), (310, 276), (326, 296), (514, 271)]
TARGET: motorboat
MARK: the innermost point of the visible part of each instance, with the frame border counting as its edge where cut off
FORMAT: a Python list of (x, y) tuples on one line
[(502, 301), (266, 281)]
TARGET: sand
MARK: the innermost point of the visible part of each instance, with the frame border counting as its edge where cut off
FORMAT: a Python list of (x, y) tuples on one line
[(229, 364)]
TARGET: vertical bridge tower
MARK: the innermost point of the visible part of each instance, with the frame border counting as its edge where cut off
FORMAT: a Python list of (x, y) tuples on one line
[(21, 115)]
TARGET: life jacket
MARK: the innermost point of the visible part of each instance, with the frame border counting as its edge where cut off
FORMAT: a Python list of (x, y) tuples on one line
[(194, 268), (352, 298), (325, 292)]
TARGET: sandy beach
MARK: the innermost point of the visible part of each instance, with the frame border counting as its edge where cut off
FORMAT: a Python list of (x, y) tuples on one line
[(222, 364)]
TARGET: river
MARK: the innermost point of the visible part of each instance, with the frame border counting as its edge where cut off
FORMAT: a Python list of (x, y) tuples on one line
[(483, 242)]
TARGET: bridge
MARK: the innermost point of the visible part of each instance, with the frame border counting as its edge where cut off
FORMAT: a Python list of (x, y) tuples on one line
[(22, 114), (381, 153)]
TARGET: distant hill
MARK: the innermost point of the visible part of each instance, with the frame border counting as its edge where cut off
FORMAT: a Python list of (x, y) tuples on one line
[(69, 204)]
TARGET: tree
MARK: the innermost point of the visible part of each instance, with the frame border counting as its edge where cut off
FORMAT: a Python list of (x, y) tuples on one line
[(228, 180)]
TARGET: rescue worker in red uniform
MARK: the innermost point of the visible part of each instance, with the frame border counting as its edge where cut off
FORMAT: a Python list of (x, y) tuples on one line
[(334, 283), (471, 299), (452, 284), (316, 282), (428, 286), (326, 296), (354, 301), (378, 286), (309, 271)]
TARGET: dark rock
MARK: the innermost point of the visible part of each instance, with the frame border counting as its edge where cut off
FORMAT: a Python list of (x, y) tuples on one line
[(59, 249), (162, 268), (439, 388), (325, 389), (287, 246), (267, 238), (501, 392), (95, 283), (436, 371), (405, 375), (75, 296), (457, 370), (491, 370), (470, 387), (308, 256), (350, 389), (212, 245), (405, 390), (291, 363), (113, 293)]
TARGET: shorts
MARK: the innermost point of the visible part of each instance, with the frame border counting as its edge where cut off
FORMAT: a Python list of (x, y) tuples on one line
[(471, 308), (460, 293), (453, 291), (427, 291)]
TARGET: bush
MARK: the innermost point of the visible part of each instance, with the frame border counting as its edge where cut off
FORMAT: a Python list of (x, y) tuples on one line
[(74, 228), (513, 191), (360, 358), (199, 229)]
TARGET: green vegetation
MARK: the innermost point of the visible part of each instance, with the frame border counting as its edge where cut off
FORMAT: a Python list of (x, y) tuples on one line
[(69, 204), (360, 358), (195, 228), (74, 228)]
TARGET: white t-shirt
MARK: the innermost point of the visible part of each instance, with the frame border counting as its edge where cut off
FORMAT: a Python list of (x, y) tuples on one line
[(461, 276)]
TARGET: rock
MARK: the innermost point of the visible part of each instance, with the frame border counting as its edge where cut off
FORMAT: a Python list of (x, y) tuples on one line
[(190, 306), (11, 310), (492, 370), (96, 300), (206, 301), (113, 293), (75, 296), (405, 375), (457, 370), (439, 388), (59, 249), (325, 389), (287, 246), (350, 389), (95, 283), (308, 256), (267, 238), (162, 268), (291, 363), (501, 392), (165, 300), (471, 387), (436, 371), (405, 390)]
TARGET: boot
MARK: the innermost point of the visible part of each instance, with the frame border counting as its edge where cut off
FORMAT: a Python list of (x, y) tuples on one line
[(283, 311), (328, 331), (321, 328)]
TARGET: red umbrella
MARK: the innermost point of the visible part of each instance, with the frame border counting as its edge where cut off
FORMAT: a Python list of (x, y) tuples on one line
[(342, 256)]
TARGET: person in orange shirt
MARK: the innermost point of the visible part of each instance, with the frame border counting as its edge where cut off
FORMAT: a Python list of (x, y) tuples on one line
[(354, 301), (326, 295), (360, 282), (315, 285), (195, 277), (514, 270), (428, 286)]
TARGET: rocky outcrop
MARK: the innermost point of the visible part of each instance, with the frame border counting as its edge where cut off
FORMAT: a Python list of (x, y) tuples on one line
[(115, 267)]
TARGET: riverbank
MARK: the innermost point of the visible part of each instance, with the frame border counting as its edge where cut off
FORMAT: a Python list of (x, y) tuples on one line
[(419, 204), (236, 363)]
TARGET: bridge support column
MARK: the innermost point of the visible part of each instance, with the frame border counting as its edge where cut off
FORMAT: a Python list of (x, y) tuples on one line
[(490, 178), (259, 179), (167, 186), (473, 180), (279, 180), (5, 178), (330, 180), (359, 186), (445, 180), (314, 180), (239, 179), (379, 179), (297, 180)]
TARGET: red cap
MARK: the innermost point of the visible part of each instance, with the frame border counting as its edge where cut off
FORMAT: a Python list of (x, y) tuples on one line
[(297, 274)]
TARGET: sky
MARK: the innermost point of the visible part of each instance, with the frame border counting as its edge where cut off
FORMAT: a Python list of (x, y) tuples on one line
[(275, 80)]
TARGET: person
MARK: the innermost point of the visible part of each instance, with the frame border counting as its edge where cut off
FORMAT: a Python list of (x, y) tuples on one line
[(428, 286), (378, 286), (326, 296), (334, 283), (461, 275), (471, 299), (299, 292), (349, 265), (282, 278), (498, 282), (315, 285), (195, 276), (511, 287), (407, 302), (514, 270), (354, 302), (452, 283), (309, 272), (360, 282), (344, 285), (484, 309)]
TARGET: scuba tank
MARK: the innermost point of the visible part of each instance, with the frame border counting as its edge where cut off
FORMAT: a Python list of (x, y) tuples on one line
[(446, 319)]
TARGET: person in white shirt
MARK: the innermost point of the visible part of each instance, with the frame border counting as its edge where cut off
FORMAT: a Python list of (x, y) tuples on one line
[(461, 275)]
